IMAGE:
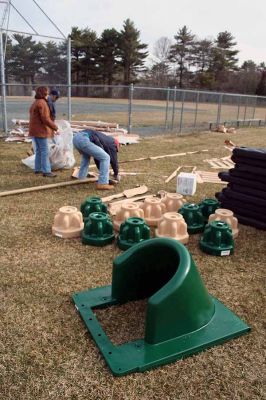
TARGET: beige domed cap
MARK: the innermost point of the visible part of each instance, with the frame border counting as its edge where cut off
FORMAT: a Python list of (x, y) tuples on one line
[(68, 223), (173, 201), (173, 225), (153, 210), (126, 211), (222, 214)]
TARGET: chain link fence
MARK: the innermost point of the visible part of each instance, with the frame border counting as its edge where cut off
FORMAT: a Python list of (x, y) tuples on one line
[(144, 110)]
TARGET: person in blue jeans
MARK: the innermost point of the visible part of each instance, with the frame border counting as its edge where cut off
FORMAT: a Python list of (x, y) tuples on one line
[(87, 149), (41, 128)]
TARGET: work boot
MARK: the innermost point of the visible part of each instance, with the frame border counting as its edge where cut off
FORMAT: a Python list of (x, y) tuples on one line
[(104, 186), (113, 182), (49, 175)]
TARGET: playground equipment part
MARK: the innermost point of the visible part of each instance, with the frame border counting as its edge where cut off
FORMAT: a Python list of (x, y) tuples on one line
[(153, 210), (208, 207), (222, 214), (126, 211), (173, 201), (173, 225), (98, 230), (181, 317), (134, 230), (217, 239), (68, 223), (92, 204), (193, 217)]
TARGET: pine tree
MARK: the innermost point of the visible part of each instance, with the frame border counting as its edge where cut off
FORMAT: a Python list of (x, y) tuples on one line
[(26, 60), (181, 53), (54, 63), (261, 88), (83, 51), (131, 52), (107, 55), (223, 56)]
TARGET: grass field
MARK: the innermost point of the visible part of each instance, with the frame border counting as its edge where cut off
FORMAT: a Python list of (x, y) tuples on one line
[(46, 352)]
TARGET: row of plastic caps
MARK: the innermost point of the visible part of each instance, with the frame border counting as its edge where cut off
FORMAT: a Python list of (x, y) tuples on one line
[(191, 218)]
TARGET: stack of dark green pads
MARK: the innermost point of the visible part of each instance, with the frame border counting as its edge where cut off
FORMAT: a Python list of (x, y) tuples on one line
[(245, 194)]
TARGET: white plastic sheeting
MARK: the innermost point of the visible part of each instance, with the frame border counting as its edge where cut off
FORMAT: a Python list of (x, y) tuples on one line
[(60, 148)]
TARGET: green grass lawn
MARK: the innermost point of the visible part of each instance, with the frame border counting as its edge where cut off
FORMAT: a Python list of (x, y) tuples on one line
[(46, 352)]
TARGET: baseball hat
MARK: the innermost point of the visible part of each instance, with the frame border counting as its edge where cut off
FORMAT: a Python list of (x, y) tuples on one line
[(55, 92)]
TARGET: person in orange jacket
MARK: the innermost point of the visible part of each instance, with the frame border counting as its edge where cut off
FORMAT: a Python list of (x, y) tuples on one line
[(41, 128)]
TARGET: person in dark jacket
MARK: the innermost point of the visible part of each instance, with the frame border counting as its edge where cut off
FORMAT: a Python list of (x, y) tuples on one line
[(108, 144), (52, 98)]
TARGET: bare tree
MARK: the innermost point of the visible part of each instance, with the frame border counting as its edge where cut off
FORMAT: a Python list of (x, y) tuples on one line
[(162, 49)]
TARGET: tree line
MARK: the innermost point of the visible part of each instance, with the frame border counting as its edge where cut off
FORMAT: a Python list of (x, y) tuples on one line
[(118, 57)]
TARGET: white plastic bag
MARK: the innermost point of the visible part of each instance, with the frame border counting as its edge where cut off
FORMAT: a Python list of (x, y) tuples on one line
[(29, 161), (61, 153)]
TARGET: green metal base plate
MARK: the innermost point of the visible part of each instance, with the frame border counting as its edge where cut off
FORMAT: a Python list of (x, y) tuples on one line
[(138, 355)]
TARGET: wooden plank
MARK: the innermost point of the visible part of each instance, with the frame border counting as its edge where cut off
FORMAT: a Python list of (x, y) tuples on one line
[(163, 156), (209, 177), (167, 155), (127, 193), (131, 199), (45, 187), (170, 177), (116, 205)]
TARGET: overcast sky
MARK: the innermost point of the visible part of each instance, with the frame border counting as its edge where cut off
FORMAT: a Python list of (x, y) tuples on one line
[(245, 19)]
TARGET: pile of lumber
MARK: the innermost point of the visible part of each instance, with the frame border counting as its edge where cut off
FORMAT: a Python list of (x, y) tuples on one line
[(108, 128), (224, 129), (21, 130), (245, 194)]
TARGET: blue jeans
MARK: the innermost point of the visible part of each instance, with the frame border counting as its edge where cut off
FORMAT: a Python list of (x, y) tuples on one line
[(42, 162), (87, 150)]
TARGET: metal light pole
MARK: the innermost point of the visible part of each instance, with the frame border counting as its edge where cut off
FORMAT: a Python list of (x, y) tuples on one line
[(3, 83)]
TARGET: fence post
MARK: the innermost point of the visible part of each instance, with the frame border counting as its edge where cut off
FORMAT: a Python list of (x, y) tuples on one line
[(166, 109), (173, 109), (130, 99), (69, 78), (245, 112), (196, 110), (254, 108), (219, 109), (182, 111), (238, 110), (3, 83)]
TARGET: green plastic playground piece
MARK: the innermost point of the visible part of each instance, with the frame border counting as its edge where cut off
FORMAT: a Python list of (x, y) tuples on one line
[(217, 239), (98, 230), (181, 317), (92, 204), (134, 230), (208, 207), (193, 217)]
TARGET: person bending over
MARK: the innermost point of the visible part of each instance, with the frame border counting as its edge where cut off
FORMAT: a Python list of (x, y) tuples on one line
[(108, 144), (83, 143), (41, 128)]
